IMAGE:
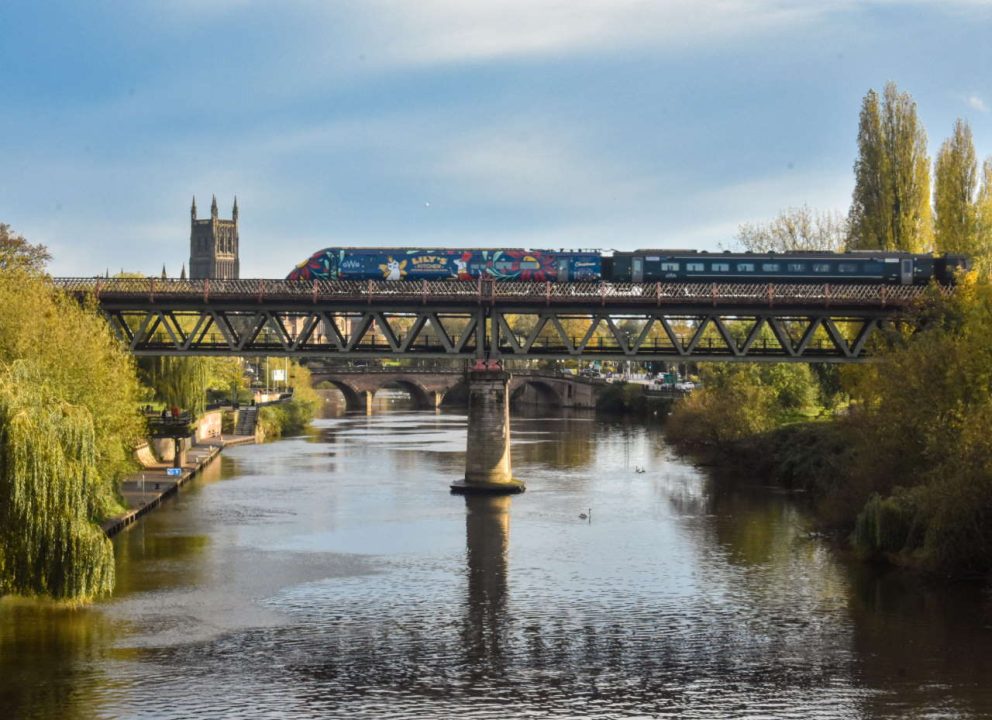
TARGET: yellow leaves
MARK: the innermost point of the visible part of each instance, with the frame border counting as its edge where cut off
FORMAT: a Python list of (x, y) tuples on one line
[(48, 546)]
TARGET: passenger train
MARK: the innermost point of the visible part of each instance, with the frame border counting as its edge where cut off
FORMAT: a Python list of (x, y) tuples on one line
[(893, 268)]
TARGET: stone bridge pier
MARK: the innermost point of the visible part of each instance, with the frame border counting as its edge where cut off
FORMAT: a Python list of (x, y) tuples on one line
[(487, 449)]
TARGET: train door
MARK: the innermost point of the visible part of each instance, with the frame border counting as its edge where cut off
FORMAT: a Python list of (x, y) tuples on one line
[(637, 269), (563, 270), (906, 271)]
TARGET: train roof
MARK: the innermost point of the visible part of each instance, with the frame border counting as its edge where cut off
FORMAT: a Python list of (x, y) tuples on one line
[(668, 252)]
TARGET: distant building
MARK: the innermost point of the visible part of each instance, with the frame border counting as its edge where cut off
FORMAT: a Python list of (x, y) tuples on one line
[(213, 245)]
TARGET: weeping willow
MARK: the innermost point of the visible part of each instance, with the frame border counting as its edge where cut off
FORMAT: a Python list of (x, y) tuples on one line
[(179, 381), (48, 494)]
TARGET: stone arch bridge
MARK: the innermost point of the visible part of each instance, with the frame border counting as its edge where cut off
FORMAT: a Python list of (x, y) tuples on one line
[(428, 388)]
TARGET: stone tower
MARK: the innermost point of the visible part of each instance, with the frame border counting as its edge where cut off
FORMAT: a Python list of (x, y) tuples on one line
[(213, 245)]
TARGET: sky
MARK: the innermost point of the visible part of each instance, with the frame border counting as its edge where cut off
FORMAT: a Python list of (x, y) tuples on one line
[(614, 124)]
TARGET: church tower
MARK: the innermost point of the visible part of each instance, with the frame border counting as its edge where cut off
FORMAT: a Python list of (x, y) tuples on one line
[(213, 245)]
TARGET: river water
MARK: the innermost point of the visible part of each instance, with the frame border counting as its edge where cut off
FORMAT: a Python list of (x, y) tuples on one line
[(333, 575)]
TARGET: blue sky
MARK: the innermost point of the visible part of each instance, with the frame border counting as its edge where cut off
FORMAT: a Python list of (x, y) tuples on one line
[(514, 123)]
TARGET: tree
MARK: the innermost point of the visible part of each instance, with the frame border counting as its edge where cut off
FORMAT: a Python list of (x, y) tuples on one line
[(795, 229), (17, 253), (48, 492), (178, 381), (955, 181), (69, 423), (983, 217), (890, 207)]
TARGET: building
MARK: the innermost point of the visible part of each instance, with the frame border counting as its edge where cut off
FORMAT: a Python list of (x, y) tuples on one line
[(213, 245)]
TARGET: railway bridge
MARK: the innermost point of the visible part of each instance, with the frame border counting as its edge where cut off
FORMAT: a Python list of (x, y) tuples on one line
[(487, 322)]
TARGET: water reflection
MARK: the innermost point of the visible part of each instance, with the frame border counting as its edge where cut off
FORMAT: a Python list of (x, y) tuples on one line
[(332, 575), (52, 660), (487, 539)]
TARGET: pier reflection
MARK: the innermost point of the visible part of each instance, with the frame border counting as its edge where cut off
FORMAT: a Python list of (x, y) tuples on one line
[(487, 542)]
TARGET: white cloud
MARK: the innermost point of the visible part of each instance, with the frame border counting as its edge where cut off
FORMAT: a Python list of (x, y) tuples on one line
[(976, 103), (449, 30)]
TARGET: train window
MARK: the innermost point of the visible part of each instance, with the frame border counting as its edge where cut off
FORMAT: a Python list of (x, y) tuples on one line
[(821, 267), (720, 267), (797, 267), (745, 267), (847, 267), (694, 267), (669, 267), (770, 267)]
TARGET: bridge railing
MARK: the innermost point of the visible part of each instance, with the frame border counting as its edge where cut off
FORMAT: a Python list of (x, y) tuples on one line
[(498, 292)]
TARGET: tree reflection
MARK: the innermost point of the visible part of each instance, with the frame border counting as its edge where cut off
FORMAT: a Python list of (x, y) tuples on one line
[(937, 646), (49, 660), (563, 440)]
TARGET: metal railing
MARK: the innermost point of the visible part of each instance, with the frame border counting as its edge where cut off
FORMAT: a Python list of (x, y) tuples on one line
[(498, 292)]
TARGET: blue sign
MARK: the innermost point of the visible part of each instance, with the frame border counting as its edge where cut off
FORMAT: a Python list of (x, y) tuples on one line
[(174, 471)]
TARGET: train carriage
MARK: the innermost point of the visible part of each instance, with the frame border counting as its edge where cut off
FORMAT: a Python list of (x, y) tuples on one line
[(449, 264), (639, 266), (893, 268)]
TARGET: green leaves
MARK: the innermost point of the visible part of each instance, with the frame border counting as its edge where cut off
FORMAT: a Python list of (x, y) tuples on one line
[(890, 207), (68, 426), (956, 179), (49, 490)]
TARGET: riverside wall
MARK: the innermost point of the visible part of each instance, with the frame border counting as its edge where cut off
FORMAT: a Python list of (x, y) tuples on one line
[(145, 490)]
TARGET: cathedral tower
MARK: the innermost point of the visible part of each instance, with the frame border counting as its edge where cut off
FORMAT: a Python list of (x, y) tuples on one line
[(213, 245)]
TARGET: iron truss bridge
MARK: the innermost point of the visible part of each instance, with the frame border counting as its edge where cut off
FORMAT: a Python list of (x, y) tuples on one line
[(498, 320)]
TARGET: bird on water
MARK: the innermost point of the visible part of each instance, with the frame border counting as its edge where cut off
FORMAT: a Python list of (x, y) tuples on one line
[(583, 516)]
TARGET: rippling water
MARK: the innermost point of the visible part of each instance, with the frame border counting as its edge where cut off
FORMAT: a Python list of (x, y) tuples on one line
[(333, 575)]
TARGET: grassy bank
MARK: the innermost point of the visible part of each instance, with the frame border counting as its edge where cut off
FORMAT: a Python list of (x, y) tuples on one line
[(904, 471), (630, 399), (289, 417), (292, 416)]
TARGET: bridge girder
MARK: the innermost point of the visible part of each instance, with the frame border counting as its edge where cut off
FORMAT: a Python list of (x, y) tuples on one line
[(548, 334), (652, 321)]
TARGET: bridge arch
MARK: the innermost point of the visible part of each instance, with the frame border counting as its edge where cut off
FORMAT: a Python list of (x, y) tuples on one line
[(422, 399), (537, 391), (352, 397), (359, 388)]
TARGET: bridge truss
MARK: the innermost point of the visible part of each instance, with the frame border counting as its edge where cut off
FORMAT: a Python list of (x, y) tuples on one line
[(652, 321)]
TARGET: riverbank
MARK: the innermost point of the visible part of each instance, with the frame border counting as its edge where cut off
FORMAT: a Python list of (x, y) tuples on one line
[(145, 490)]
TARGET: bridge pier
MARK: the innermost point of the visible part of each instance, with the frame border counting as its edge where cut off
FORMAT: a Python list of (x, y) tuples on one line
[(367, 397), (487, 451), (437, 398)]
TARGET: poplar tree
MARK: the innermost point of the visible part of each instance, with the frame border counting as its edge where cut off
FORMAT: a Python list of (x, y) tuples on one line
[(955, 181), (982, 254), (890, 207)]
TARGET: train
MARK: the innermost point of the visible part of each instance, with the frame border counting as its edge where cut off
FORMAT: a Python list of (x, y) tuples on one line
[(637, 266)]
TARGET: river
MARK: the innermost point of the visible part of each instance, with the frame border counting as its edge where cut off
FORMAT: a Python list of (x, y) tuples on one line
[(333, 575)]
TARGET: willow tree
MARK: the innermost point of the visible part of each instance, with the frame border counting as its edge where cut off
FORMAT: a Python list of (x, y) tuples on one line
[(178, 381), (49, 491), (890, 206), (955, 182), (83, 363)]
